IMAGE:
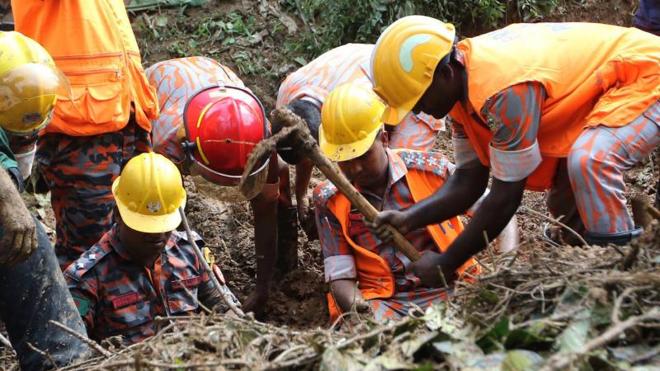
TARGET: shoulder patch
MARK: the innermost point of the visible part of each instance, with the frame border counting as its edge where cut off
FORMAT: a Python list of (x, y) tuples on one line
[(86, 262), (82, 303), (433, 162), (324, 192)]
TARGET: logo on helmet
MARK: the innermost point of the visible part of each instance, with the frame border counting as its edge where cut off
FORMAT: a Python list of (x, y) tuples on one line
[(153, 206), (405, 53)]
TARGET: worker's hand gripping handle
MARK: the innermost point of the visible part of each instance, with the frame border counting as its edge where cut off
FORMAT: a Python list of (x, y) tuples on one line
[(358, 201)]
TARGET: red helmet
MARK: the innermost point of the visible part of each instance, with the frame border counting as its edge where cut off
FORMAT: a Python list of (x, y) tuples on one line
[(223, 124)]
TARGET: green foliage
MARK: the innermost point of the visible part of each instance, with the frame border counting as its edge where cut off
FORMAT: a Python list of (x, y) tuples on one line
[(333, 23)]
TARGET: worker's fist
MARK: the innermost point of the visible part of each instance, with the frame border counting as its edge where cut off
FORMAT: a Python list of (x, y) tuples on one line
[(18, 231), (430, 269), (395, 218)]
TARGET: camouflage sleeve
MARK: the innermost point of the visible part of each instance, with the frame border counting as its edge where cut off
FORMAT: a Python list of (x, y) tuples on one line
[(515, 114), (338, 261)]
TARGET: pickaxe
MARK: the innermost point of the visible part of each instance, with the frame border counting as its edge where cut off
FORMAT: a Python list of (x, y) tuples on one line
[(214, 273), (295, 128)]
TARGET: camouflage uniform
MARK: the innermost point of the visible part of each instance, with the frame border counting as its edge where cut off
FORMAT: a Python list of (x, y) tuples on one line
[(117, 297), (79, 172), (339, 260)]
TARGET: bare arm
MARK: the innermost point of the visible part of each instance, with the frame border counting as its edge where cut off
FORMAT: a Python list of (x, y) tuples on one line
[(264, 208), (347, 296), (462, 189)]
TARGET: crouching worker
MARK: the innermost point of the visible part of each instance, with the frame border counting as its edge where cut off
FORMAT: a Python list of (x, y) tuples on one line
[(388, 283), (142, 267), (208, 124)]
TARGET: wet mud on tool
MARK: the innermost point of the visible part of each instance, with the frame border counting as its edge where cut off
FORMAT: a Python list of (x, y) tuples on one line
[(295, 131)]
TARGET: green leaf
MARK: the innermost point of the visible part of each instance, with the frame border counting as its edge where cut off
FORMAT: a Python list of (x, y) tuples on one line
[(493, 339), (161, 21), (489, 296), (440, 317), (521, 360), (425, 367), (575, 334), (300, 60)]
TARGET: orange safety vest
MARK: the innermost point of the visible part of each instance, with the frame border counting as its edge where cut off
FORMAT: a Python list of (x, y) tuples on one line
[(93, 44), (593, 74), (375, 278)]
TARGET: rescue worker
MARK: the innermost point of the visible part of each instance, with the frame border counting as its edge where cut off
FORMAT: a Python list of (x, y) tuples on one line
[(142, 267), (208, 124), (99, 126), (567, 107), (32, 288), (388, 283), (304, 92)]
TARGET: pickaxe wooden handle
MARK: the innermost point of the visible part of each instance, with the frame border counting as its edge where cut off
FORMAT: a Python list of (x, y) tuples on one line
[(294, 125)]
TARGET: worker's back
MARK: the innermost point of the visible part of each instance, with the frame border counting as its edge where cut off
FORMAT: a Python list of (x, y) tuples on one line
[(93, 44), (578, 64)]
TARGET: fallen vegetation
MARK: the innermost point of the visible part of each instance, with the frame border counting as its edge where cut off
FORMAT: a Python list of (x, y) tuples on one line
[(554, 308)]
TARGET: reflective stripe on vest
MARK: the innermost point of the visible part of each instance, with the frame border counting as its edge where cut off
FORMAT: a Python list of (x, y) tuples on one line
[(93, 44), (593, 74)]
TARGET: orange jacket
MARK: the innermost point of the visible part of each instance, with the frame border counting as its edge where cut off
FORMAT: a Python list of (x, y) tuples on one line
[(93, 44), (593, 74), (375, 279)]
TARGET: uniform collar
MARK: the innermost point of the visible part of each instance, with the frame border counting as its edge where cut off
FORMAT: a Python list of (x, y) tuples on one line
[(397, 168)]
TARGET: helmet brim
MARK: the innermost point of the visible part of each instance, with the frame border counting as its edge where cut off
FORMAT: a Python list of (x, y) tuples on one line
[(349, 151), (147, 223), (393, 116)]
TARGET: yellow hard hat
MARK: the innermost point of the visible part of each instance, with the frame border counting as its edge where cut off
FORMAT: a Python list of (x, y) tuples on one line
[(148, 193), (404, 60), (350, 121), (29, 84)]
